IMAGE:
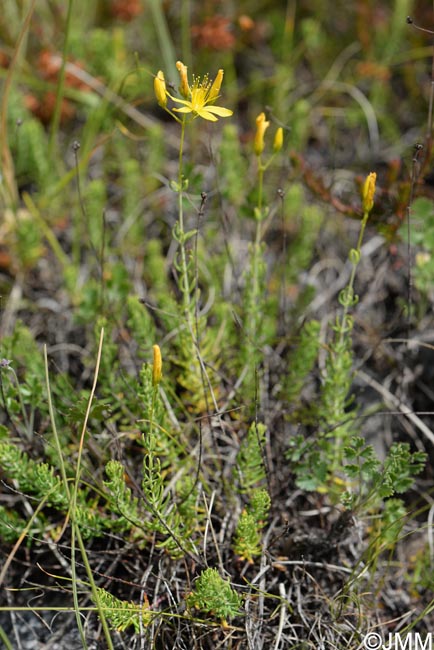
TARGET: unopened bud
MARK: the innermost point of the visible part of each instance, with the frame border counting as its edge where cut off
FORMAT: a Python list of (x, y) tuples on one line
[(368, 192), (160, 89), (261, 126), (184, 88), (278, 140), (157, 366)]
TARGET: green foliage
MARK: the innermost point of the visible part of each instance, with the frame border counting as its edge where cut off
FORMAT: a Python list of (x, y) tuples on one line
[(38, 480), (250, 465), (400, 468), (156, 510), (29, 143), (393, 518), (32, 477), (95, 203), (123, 614), (232, 166), (141, 325), (422, 236), (375, 481), (337, 381), (154, 414), (420, 574), (325, 457), (247, 541), (301, 361), (120, 498), (155, 156), (309, 460), (167, 519), (304, 221), (214, 596), (26, 240), (11, 525), (254, 307), (250, 460), (260, 505)]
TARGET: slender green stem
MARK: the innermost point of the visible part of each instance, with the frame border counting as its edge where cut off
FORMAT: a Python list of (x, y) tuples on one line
[(54, 427), (342, 343), (261, 170), (74, 587), (100, 608), (254, 298), (350, 287), (68, 493), (184, 281), (75, 531), (61, 83), (4, 638), (257, 249), (151, 417)]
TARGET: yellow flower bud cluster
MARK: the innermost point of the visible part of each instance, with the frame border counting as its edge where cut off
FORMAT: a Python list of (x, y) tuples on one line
[(261, 126)]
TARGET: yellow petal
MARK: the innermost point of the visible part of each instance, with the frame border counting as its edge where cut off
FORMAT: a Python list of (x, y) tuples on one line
[(180, 101), (184, 109), (205, 114), (215, 88), (220, 111)]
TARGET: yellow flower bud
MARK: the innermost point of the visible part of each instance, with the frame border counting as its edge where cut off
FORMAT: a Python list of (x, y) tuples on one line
[(157, 366), (160, 89), (261, 126), (278, 140), (368, 192), (215, 88), (184, 88)]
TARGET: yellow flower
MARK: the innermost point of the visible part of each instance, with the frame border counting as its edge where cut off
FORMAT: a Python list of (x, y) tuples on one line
[(199, 98), (278, 140), (160, 89), (261, 126), (157, 366), (368, 192)]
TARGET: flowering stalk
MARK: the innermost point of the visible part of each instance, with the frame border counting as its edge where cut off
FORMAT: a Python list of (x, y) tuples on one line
[(157, 374), (338, 377), (347, 298), (254, 297), (179, 231), (196, 100)]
